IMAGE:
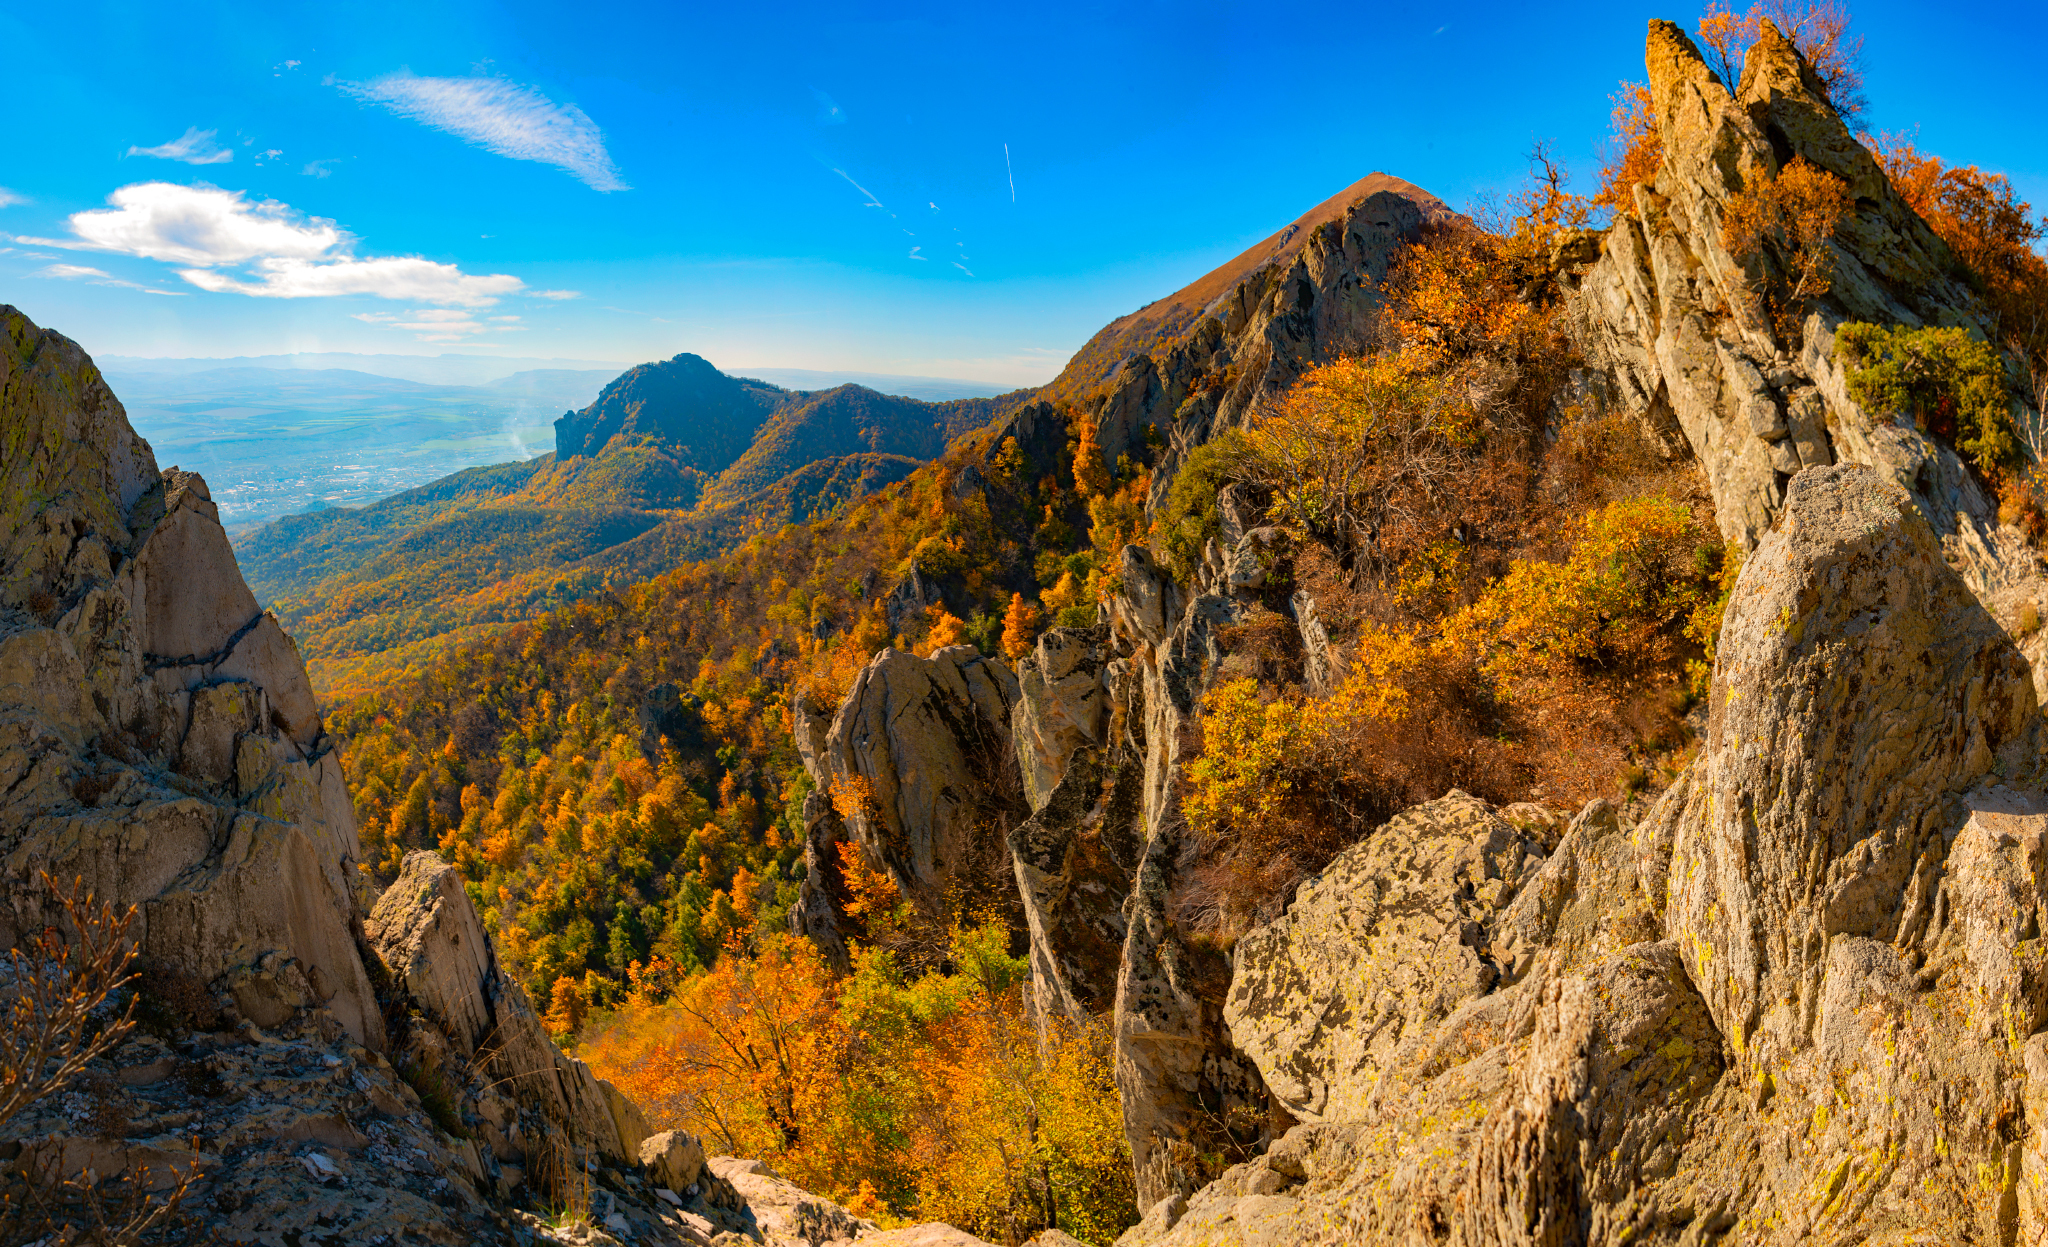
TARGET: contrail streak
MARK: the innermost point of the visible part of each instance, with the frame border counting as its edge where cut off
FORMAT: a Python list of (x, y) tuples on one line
[(1012, 172)]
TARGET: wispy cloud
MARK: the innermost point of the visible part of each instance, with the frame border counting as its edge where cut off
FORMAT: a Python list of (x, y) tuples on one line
[(9, 198), (872, 201), (502, 117), (388, 277), (556, 294), (318, 168), (100, 277), (829, 112), (194, 147), (282, 254)]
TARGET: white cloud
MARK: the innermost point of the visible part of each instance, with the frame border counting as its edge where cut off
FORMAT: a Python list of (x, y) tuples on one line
[(319, 169), (194, 147), (9, 198), (100, 277), (200, 225), (556, 294), (441, 324), (502, 117), (283, 254)]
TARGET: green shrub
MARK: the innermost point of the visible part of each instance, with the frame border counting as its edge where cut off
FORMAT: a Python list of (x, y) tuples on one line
[(1191, 517), (1951, 382)]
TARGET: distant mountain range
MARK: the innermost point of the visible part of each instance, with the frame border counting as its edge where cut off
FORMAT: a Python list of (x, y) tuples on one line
[(673, 461), (279, 434), (492, 369)]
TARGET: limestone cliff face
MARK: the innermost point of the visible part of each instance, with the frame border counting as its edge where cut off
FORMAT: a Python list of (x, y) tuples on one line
[(1069, 766), (1669, 318), (919, 758), (160, 737)]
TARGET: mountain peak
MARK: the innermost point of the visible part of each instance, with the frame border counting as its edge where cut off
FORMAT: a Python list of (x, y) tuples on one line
[(685, 401), (1164, 319)]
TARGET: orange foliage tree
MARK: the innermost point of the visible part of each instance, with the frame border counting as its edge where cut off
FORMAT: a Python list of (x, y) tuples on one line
[(1635, 151), (1820, 31), (1794, 214), (909, 1094), (1020, 627)]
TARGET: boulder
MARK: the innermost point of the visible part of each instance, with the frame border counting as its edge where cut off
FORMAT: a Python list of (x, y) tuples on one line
[(782, 1214), (1861, 691), (1341, 994), (939, 1234), (673, 1159)]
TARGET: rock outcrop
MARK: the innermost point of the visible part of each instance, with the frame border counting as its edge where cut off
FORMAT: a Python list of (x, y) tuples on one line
[(919, 764), (1076, 855), (1803, 1000), (1673, 325), (480, 1030), (158, 736)]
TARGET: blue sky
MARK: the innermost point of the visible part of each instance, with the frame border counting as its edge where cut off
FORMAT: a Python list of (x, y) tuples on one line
[(799, 186)]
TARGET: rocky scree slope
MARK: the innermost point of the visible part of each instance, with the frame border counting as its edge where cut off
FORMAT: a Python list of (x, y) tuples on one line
[(325, 1065), (1801, 998)]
